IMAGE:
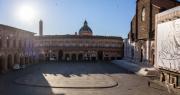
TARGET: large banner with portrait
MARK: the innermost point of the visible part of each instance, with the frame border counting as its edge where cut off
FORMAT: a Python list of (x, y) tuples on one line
[(168, 45)]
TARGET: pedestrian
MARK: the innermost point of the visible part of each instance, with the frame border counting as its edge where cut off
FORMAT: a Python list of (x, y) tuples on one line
[(149, 83)]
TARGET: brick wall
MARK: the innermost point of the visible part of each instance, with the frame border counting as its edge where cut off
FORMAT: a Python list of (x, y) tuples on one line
[(152, 7), (143, 26)]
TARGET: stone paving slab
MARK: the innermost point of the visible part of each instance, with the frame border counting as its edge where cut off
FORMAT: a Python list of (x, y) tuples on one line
[(73, 81)]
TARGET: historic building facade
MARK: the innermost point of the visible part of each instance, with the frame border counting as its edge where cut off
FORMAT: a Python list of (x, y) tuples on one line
[(79, 47), (22, 47), (16, 47), (141, 37)]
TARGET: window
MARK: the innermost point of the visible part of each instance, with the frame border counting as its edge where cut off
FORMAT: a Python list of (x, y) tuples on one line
[(8, 42), (14, 43), (19, 43), (24, 44), (143, 14)]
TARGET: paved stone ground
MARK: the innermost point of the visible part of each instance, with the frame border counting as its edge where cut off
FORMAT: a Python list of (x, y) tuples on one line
[(128, 83), (64, 77)]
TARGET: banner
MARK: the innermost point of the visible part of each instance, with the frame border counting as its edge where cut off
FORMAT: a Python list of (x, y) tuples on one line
[(168, 45)]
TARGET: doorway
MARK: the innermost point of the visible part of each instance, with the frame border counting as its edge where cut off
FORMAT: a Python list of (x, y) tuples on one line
[(60, 55), (9, 61), (141, 59), (100, 55)]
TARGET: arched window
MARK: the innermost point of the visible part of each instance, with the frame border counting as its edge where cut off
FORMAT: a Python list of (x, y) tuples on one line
[(143, 14)]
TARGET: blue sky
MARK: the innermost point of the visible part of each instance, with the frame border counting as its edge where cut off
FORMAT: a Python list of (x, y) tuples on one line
[(105, 17)]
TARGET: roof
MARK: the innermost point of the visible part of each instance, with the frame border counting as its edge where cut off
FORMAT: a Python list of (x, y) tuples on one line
[(85, 27), (79, 36), (14, 28)]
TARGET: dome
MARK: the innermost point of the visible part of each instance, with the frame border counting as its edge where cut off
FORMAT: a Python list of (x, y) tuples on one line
[(85, 30)]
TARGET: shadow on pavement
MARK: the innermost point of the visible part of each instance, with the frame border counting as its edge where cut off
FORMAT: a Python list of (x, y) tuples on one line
[(37, 75)]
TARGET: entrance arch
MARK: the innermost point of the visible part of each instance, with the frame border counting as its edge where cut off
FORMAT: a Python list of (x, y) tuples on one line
[(152, 57), (67, 57), (46, 57), (15, 59), (80, 57), (26, 60), (74, 57), (100, 55), (1, 64), (60, 55), (21, 61), (141, 55), (9, 61), (93, 58)]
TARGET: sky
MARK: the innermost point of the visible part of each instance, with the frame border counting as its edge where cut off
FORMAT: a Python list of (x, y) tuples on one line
[(60, 17)]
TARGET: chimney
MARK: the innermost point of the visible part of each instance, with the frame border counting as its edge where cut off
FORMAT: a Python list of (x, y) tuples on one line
[(40, 28)]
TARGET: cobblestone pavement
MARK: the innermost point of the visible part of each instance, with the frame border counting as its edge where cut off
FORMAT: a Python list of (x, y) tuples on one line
[(76, 79)]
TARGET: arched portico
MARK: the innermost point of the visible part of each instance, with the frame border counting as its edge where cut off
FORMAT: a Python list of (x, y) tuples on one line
[(16, 58), (73, 57), (1, 64), (100, 55), (9, 61), (80, 57), (21, 60), (67, 57), (26, 60), (60, 55)]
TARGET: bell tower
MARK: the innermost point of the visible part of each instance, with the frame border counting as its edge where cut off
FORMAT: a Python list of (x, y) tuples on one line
[(40, 28)]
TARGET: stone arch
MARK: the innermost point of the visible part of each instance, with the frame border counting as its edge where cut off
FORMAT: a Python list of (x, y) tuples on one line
[(73, 57), (80, 57), (9, 61), (152, 56), (26, 59), (93, 58), (100, 55), (15, 58), (60, 55), (1, 64), (21, 60), (33, 58), (30, 59), (141, 50), (67, 57), (141, 55), (47, 56)]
